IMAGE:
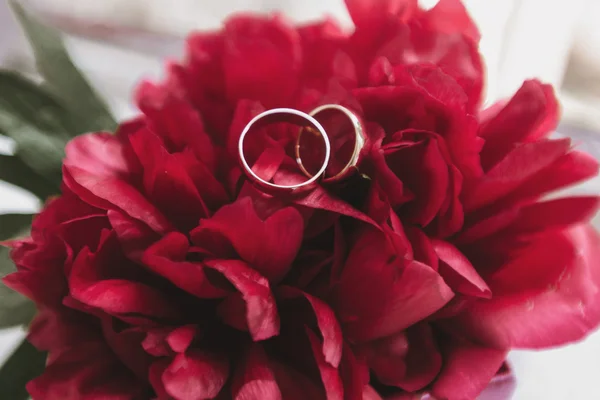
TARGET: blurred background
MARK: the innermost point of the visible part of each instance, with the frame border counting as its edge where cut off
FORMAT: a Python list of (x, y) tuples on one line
[(117, 42)]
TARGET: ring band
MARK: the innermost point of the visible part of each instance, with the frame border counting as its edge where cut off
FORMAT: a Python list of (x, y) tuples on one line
[(359, 143), (284, 115)]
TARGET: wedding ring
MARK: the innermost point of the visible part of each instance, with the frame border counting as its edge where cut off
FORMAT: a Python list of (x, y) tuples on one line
[(359, 141), (295, 117)]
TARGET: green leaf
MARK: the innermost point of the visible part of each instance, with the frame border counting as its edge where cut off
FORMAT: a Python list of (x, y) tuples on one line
[(14, 225), (62, 76), (36, 122), (15, 309), (6, 264), (31, 102), (41, 152), (14, 171), (22, 366)]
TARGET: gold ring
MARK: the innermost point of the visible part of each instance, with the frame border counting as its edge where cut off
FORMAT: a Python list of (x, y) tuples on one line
[(351, 165)]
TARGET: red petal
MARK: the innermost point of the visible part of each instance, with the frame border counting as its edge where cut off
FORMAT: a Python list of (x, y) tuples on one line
[(167, 259), (117, 297), (181, 338), (261, 60), (195, 375), (458, 272), (209, 186), (422, 248), (390, 183), (110, 193), (155, 373), (269, 246), (155, 344), (364, 11), (426, 99), (327, 322), (451, 16), (295, 385), (381, 293), (261, 310), (133, 234), (254, 379), (370, 394), (569, 169), (87, 371), (355, 375), (176, 121), (99, 171), (101, 154), (329, 374), (521, 164), (167, 182), (423, 359), (548, 297), (167, 341), (423, 169), (485, 227), (409, 360), (531, 114), (324, 55), (553, 214), (467, 370), (321, 199), (126, 346)]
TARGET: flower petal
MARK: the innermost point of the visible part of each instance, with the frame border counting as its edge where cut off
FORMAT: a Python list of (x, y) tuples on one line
[(423, 169), (327, 322), (458, 272), (354, 373), (195, 375), (254, 379), (531, 114), (72, 377), (133, 234), (294, 385), (176, 121), (321, 199), (166, 258), (569, 169), (101, 154), (110, 193), (167, 182), (409, 360), (555, 214), (126, 346), (261, 59), (330, 376), (261, 311), (118, 297), (381, 293), (269, 246), (367, 11), (548, 297), (451, 16), (468, 369), (98, 169), (521, 164)]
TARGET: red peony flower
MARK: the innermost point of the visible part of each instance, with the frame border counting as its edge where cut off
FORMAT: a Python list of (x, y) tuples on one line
[(161, 272)]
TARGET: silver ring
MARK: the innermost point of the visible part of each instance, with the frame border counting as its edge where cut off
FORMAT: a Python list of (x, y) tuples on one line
[(284, 115)]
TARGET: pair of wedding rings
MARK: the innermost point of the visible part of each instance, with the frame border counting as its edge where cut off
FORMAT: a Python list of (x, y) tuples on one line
[(307, 123)]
